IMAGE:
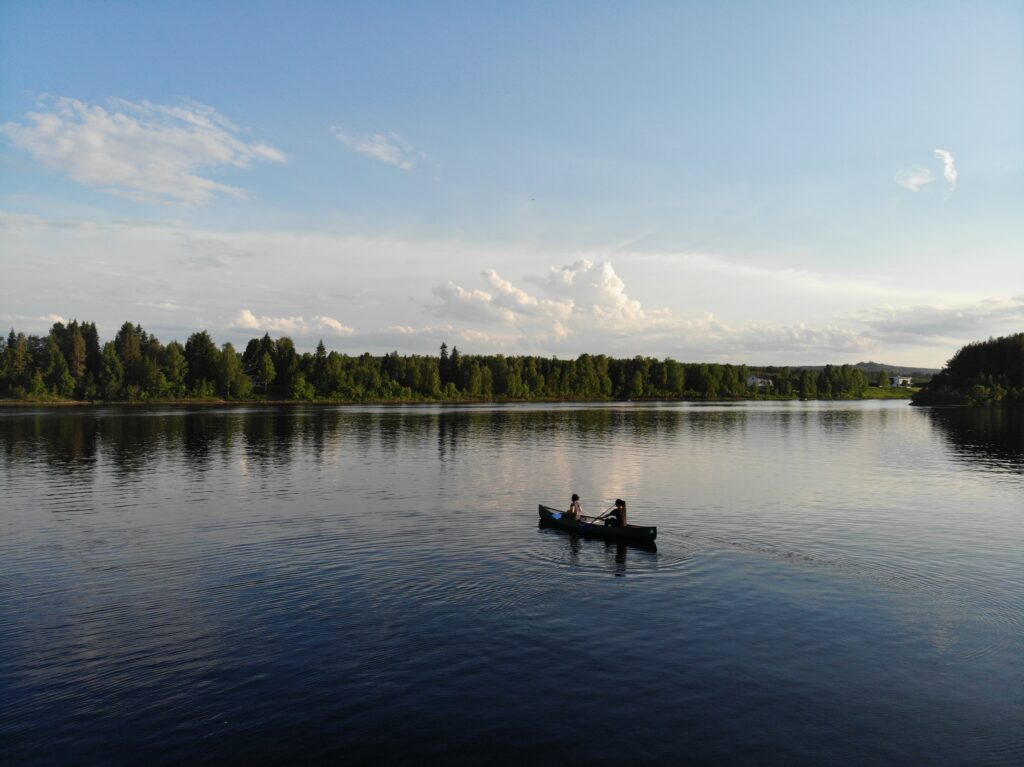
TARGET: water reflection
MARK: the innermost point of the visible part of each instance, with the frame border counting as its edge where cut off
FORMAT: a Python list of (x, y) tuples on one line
[(132, 439), (303, 583), (67, 443), (618, 441), (992, 437), (614, 556), (73, 442)]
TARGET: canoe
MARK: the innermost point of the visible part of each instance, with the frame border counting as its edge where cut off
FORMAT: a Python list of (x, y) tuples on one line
[(631, 533)]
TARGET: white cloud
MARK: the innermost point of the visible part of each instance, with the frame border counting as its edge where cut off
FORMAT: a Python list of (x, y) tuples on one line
[(246, 320), (785, 316), (333, 324), (50, 319), (504, 304), (388, 148), (149, 152), (948, 166), (431, 337), (599, 292), (517, 302), (915, 178), (594, 311), (472, 305), (169, 306), (918, 177), (946, 325)]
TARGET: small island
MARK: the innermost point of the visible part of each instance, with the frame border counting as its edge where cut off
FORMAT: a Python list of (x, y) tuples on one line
[(71, 365)]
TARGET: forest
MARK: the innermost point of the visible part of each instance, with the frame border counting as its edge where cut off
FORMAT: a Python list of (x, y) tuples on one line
[(71, 363), (981, 373)]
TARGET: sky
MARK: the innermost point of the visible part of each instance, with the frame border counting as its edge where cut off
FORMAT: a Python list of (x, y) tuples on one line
[(745, 182)]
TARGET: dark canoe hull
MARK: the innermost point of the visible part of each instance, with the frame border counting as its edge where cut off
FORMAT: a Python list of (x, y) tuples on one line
[(630, 533)]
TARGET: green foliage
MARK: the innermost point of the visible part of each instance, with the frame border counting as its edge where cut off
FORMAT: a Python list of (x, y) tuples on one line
[(129, 344), (889, 392), (286, 363), (230, 378), (302, 389), (982, 373), (19, 370), (265, 370), (69, 362), (111, 373), (59, 382), (202, 358), (37, 386), (175, 369)]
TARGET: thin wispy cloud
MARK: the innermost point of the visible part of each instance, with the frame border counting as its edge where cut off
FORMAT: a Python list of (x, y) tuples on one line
[(298, 325), (49, 318), (918, 177), (941, 323), (915, 178), (389, 148), (149, 152), (169, 306), (430, 337), (948, 166)]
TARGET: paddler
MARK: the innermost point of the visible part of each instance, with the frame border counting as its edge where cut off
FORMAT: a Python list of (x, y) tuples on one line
[(575, 509), (616, 515)]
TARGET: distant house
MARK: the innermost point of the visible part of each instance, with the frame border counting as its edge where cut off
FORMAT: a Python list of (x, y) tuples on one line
[(901, 381), (761, 384)]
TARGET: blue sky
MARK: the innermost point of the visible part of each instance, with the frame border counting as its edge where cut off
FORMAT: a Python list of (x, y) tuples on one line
[(788, 183)]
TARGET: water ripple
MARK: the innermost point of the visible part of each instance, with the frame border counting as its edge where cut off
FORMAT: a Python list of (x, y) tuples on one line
[(246, 584)]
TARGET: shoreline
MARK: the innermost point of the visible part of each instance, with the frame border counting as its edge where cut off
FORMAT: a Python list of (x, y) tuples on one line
[(10, 403)]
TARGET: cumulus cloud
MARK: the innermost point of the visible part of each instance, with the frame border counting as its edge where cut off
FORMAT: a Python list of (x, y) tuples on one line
[(590, 307), (246, 320), (583, 304), (389, 148), (145, 151), (948, 166), (473, 305), (516, 303), (601, 294), (915, 178)]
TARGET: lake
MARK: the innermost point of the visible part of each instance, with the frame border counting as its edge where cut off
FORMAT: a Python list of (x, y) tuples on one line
[(833, 582)]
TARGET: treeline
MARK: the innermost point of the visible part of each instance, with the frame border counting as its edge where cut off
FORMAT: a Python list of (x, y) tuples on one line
[(982, 373), (71, 363)]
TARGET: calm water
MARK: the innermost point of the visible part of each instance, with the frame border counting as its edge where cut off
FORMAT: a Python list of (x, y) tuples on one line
[(831, 583)]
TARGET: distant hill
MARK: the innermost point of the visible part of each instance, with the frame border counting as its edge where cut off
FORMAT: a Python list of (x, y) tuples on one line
[(876, 367)]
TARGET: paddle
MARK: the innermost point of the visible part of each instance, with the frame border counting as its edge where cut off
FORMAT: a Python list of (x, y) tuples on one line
[(594, 520), (560, 514)]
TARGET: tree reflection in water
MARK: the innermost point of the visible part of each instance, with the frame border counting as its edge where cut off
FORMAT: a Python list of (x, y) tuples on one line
[(990, 436)]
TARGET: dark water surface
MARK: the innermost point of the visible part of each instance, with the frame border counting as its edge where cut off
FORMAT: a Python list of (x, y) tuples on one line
[(831, 583)]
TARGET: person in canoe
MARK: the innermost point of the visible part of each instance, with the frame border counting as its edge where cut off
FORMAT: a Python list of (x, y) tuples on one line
[(575, 509), (616, 515)]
